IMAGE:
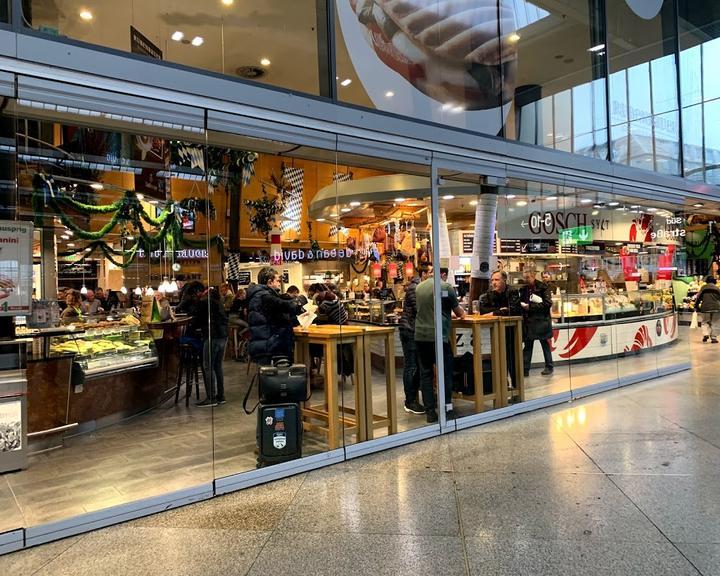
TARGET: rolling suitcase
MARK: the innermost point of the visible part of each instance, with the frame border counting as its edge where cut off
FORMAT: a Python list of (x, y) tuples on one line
[(279, 433)]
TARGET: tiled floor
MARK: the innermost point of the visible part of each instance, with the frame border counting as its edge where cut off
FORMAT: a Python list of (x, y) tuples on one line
[(175, 447), (624, 483)]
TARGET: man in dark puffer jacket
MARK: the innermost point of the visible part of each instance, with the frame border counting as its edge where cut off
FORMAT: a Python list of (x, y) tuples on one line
[(271, 316), (708, 302)]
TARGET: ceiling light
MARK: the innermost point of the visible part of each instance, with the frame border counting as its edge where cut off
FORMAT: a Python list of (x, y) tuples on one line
[(635, 206), (71, 245), (354, 203), (389, 94), (177, 36), (320, 219), (346, 82), (69, 232), (652, 209), (595, 212), (586, 201), (521, 203), (598, 205), (457, 109), (228, 2), (597, 48), (620, 208), (86, 15), (65, 237), (265, 61), (447, 106), (614, 203), (344, 209), (473, 202), (510, 196), (400, 199), (448, 223), (140, 197), (448, 197), (551, 198), (96, 186), (198, 41), (698, 205), (514, 37)]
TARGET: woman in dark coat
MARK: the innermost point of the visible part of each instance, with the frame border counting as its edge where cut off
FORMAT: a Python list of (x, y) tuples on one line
[(271, 316), (536, 303)]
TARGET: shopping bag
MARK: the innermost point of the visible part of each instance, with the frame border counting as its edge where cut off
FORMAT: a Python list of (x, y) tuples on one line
[(694, 321)]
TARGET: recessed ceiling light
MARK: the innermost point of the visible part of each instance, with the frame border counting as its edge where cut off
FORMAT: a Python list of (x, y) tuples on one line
[(346, 82), (635, 206), (457, 109), (265, 61), (198, 41), (96, 186), (586, 201), (320, 219), (698, 205), (354, 203), (510, 196), (521, 203), (400, 199), (448, 197), (620, 208), (228, 2), (473, 202), (595, 212), (86, 15), (597, 48), (513, 38), (71, 245), (65, 237), (447, 106), (177, 36), (652, 209), (614, 203), (389, 94), (344, 209), (551, 198)]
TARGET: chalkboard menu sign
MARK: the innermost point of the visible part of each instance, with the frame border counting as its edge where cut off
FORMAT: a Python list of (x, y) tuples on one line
[(243, 277), (78, 269), (510, 246), (467, 242)]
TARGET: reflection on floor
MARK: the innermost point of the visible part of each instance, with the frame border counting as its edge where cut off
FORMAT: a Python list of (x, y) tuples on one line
[(171, 448), (620, 484)]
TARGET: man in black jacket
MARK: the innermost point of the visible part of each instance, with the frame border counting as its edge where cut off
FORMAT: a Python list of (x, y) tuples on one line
[(501, 300), (536, 303), (708, 302), (411, 372), (271, 316)]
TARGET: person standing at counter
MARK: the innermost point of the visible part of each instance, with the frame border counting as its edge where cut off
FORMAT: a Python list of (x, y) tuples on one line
[(425, 341), (271, 317), (536, 304), (411, 370), (552, 287), (213, 321), (92, 305), (708, 302), (73, 307), (382, 292)]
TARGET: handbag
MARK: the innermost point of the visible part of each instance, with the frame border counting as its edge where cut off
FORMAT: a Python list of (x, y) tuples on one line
[(694, 320)]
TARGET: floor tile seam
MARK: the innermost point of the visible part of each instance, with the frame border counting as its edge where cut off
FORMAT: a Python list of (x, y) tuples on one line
[(458, 507), (642, 512), (339, 530), (17, 502), (78, 539), (696, 435)]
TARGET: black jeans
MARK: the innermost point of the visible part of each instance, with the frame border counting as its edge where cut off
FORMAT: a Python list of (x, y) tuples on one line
[(213, 354), (411, 371), (510, 352), (426, 362), (528, 350)]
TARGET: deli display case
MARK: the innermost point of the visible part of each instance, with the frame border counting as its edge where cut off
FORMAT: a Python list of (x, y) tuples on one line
[(107, 349), (569, 308), (381, 312)]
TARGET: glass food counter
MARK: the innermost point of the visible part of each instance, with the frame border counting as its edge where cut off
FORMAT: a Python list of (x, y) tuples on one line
[(383, 312), (598, 307)]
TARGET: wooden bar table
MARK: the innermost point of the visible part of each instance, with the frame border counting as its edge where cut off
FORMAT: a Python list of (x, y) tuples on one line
[(337, 417), (476, 322), (515, 322), (372, 421)]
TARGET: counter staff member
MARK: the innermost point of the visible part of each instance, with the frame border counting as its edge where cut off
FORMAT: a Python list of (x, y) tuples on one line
[(425, 342), (536, 304), (501, 300), (271, 316)]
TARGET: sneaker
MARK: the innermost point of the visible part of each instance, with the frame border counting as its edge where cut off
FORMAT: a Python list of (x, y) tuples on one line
[(414, 408), (705, 338), (431, 416), (547, 372), (205, 403), (527, 374), (221, 400), (713, 340), (450, 415)]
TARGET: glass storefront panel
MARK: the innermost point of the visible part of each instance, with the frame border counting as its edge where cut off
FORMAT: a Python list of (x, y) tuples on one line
[(643, 85), (273, 43), (110, 416)]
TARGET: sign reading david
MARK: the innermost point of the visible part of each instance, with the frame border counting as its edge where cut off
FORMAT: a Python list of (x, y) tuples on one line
[(16, 239)]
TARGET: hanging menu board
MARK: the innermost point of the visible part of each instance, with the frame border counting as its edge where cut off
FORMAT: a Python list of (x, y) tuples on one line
[(16, 268), (468, 239)]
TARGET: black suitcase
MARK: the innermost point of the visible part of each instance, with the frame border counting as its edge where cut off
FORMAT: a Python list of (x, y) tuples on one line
[(279, 433)]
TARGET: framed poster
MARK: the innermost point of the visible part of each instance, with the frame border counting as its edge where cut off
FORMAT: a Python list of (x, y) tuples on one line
[(10, 426), (16, 268)]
